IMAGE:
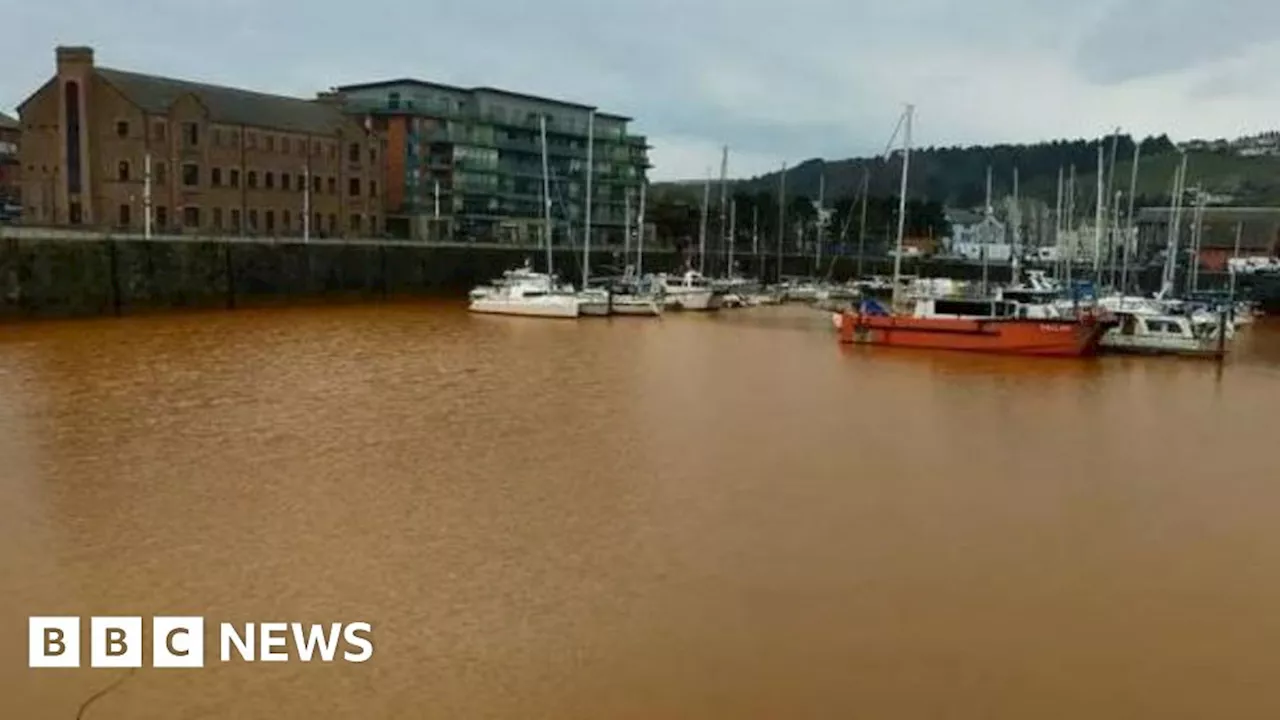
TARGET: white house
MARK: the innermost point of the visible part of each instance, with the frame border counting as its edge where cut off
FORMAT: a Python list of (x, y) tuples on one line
[(972, 233)]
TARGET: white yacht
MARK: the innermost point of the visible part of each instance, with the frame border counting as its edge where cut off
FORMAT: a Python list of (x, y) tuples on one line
[(690, 291), (1144, 331), (525, 292)]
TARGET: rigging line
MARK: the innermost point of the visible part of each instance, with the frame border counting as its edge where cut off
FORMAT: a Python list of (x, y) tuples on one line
[(866, 185)]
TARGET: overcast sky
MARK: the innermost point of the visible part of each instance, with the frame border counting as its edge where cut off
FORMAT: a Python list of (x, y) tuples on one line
[(774, 80)]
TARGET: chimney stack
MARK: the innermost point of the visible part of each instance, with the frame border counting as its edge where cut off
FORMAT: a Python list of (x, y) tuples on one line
[(76, 57)]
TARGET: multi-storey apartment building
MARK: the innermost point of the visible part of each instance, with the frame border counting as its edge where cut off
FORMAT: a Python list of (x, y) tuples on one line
[(9, 167), (100, 145), (467, 163)]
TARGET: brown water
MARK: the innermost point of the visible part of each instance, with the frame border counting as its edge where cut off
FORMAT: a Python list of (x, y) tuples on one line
[(698, 517)]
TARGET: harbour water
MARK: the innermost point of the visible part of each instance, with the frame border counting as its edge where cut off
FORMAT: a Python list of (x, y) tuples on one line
[(703, 516)]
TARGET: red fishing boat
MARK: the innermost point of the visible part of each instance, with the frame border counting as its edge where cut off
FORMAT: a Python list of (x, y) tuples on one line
[(1001, 327)]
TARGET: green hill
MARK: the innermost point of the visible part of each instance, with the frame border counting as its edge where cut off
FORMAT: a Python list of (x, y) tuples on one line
[(957, 176)]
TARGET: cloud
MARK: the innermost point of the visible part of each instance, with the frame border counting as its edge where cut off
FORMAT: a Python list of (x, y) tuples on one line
[(775, 82)]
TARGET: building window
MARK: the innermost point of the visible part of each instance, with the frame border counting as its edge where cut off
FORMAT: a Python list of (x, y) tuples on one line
[(271, 143), (191, 134), (235, 220), (333, 151), (373, 155), (157, 129), (355, 222), (315, 223), (353, 187), (122, 128), (302, 183), (253, 220), (373, 188), (333, 185), (162, 217), (284, 181), (190, 174), (315, 185), (333, 224), (284, 220), (270, 180), (161, 174), (253, 179), (271, 220), (217, 218), (235, 178), (72, 98), (191, 217), (123, 215), (353, 153), (122, 171)]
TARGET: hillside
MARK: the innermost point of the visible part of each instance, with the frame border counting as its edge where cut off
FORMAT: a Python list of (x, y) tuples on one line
[(957, 176)]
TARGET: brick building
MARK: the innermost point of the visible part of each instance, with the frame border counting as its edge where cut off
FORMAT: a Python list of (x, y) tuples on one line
[(9, 136), (222, 160)]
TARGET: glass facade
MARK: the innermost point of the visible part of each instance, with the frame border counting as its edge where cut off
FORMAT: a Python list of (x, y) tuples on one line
[(479, 151)]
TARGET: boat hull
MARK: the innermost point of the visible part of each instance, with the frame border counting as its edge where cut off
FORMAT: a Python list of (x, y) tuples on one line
[(691, 300), (566, 307), (638, 307), (593, 308), (1046, 338)]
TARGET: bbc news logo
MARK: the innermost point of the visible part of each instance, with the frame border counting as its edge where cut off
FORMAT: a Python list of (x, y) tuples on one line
[(178, 642)]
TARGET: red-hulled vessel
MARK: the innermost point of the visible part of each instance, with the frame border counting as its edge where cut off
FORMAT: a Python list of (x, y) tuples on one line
[(1001, 327)]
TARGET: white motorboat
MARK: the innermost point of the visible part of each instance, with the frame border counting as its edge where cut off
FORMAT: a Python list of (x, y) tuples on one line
[(525, 292), (690, 291), (1143, 331)]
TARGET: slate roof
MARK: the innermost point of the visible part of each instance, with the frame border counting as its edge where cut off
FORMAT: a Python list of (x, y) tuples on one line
[(8, 122), (155, 94)]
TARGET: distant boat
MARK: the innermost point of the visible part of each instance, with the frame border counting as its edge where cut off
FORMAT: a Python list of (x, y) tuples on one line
[(525, 292), (690, 291), (1157, 334)]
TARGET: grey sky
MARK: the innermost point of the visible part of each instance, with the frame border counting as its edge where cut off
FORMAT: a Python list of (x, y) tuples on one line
[(774, 81)]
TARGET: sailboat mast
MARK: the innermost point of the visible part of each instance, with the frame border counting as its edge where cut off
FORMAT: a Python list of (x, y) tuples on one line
[(782, 216), (733, 229), (1097, 222), (755, 236), (1057, 229), (724, 179), (817, 252), (1113, 229), (862, 224), (640, 228), (546, 191), (902, 202), (586, 222), (984, 239), (702, 226), (1175, 227), (1130, 236), (626, 231), (1015, 219)]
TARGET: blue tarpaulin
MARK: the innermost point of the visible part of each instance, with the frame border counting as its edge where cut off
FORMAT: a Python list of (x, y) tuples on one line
[(871, 307)]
